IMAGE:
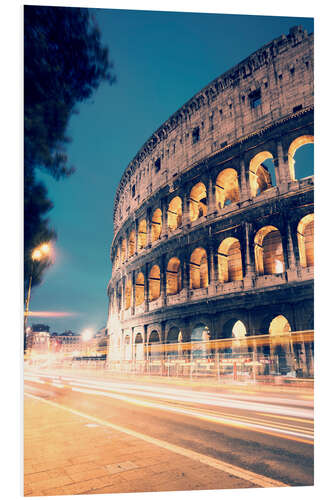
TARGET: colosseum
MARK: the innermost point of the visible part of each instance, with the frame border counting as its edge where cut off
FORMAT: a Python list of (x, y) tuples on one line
[(213, 225)]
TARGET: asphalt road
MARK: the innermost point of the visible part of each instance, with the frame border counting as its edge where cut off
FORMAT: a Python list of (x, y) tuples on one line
[(270, 434)]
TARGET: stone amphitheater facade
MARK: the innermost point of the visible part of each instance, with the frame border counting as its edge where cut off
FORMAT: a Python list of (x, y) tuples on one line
[(206, 235)]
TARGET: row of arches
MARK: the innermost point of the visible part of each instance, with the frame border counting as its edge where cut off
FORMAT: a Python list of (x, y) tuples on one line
[(268, 256), (261, 177)]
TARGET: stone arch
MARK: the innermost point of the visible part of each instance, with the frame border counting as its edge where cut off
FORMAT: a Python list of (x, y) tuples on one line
[(227, 187), (259, 175), (279, 326), (154, 283), (198, 269), (131, 243), (234, 328), (173, 276), (156, 224), (200, 334), (174, 335), (198, 201), (127, 348), (229, 260), (128, 293), (268, 251), (294, 146), (154, 338), (175, 213), (139, 347), (142, 234), (139, 289), (305, 237)]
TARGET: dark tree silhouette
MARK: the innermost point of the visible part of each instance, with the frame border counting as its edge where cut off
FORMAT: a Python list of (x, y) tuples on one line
[(64, 63)]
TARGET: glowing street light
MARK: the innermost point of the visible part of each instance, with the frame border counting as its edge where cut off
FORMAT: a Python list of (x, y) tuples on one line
[(41, 252), (87, 334)]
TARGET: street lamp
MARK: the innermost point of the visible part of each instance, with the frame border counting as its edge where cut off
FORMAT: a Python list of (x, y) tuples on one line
[(39, 253)]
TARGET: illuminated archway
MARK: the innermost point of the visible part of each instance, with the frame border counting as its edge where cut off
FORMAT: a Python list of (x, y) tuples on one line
[(305, 236), (295, 169), (156, 224), (227, 188), (142, 234), (131, 243), (123, 250), (230, 260), (259, 175), (154, 338), (198, 201), (154, 283), (173, 283), (198, 269), (139, 289), (268, 251), (175, 213), (128, 294)]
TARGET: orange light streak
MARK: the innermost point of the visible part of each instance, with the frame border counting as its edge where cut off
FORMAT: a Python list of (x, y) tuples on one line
[(50, 314)]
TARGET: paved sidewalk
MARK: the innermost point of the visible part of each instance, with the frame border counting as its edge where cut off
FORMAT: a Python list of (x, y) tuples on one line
[(67, 454)]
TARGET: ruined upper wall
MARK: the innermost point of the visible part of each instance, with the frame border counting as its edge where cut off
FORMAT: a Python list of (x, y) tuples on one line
[(272, 83)]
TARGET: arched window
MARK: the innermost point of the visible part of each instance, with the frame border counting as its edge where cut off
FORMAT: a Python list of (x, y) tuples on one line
[(269, 251), (142, 234), (198, 269), (300, 157), (227, 188), (198, 201), (279, 347), (139, 289), (123, 250), (230, 260), (175, 213), (138, 343), (128, 293), (154, 283), (261, 173), (174, 335), (156, 224), (305, 236), (131, 243), (154, 339), (279, 326), (173, 276)]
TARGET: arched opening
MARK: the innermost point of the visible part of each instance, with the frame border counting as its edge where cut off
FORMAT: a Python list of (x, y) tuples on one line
[(227, 188), (173, 284), (138, 343), (175, 337), (128, 294), (279, 345), (268, 251), (142, 234), (156, 224), (261, 173), (139, 289), (305, 236), (301, 157), (131, 243), (153, 339), (117, 258), (175, 213), (230, 260), (127, 348), (154, 283), (198, 269), (123, 250), (200, 335), (198, 201)]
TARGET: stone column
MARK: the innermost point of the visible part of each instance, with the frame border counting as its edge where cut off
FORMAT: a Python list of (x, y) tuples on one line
[(146, 289), (245, 188), (186, 275), (133, 293), (149, 223), (212, 268), (186, 209), (249, 264), (136, 224), (164, 208), (163, 280), (283, 167), (211, 203)]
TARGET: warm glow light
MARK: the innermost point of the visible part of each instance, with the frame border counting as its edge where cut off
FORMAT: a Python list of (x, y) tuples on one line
[(36, 254), (278, 266), (49, 314), (45, 248), (87, 334)]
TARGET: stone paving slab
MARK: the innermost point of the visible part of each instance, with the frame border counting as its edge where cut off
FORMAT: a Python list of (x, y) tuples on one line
[(64, 455)]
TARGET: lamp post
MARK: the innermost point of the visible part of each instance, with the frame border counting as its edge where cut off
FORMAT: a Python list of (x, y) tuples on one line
[(39, 253)]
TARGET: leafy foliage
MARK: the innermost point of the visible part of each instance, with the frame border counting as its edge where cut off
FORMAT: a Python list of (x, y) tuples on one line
[(64, 63)]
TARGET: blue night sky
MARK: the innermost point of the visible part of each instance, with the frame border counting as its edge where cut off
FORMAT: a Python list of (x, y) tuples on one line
[(161, 60)]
